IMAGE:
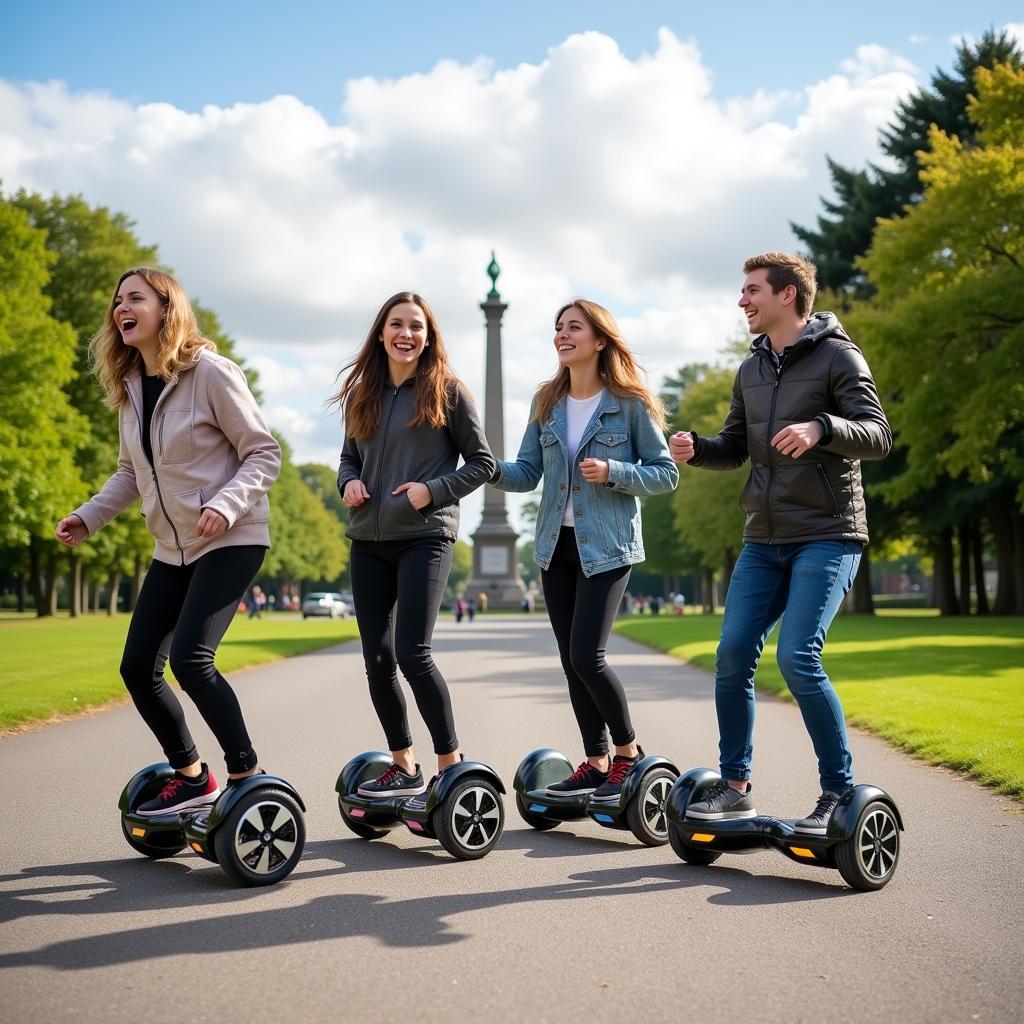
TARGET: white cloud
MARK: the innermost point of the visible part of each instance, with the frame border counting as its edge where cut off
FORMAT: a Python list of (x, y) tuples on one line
[(625, 180)]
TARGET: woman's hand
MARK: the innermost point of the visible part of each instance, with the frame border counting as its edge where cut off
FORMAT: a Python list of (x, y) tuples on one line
[(71, 531), (798, 438), (595, 471), (418, 494), (211, 524), (355, 494)]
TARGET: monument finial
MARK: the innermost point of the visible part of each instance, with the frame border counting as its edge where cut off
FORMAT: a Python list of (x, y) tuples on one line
[(493, 270)]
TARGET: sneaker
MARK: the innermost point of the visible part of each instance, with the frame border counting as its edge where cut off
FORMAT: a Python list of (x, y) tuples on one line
[(394, 782), (181, 793), (721, 802), (419, 801), (585, 779), (235, 782), (816, 823), (609, 790)]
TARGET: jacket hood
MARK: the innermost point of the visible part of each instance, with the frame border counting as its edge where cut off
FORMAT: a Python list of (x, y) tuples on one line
[(821, 325)]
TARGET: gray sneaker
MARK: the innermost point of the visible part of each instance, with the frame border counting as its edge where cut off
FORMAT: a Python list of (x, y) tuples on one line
[(722, 802), (816, 823)]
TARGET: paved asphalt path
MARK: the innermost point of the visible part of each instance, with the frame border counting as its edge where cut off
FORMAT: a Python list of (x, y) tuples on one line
[(576, 924)]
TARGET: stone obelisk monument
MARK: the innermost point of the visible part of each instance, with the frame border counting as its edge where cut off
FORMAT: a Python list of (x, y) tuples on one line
[(495, 568)]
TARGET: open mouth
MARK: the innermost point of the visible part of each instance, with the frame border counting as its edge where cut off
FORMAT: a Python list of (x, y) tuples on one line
[(566, 348), (402, 346), (128, 324)]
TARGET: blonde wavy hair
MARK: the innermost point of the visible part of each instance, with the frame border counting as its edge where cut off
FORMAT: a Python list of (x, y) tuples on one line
[(363, 378), (180, 339), (619, 371)]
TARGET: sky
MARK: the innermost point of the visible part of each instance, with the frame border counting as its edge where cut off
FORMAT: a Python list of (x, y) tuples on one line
[(296, 164)]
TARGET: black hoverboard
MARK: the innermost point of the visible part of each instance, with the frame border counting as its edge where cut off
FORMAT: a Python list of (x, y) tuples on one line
[(861, 841), (255, 831)]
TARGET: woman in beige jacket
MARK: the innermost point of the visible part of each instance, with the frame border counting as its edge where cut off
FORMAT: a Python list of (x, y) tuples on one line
[(195, 449)]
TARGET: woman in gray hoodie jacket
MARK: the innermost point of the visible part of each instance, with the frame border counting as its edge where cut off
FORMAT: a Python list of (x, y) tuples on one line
[(408, 418), (195, 449)]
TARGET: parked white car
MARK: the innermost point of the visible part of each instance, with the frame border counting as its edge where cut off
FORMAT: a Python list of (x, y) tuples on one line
[(319, 603)]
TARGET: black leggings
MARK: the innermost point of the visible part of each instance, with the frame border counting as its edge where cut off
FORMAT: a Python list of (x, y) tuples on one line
[(397, 587), (183, 612), (582, 611)]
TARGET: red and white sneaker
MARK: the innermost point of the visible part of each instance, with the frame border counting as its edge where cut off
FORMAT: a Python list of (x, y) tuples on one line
[(180, 793)]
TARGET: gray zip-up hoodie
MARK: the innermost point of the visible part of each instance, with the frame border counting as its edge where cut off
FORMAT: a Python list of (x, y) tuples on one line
[(398, 454)]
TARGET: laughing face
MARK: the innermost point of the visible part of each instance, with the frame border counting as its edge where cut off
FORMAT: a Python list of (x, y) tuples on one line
[(404, 334), (763, 308), (575, 340), (138, 313)]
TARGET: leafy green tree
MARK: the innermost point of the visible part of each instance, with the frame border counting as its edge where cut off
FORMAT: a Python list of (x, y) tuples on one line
[(39, 429), (845, 230), (945, 329), (462, 567)]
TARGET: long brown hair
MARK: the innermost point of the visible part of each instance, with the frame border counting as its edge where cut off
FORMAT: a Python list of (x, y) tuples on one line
[(618, 369), (180, 339), (359, 396)]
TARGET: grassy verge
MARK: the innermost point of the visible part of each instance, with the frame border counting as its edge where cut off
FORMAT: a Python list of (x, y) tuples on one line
[(60, 666), (950, 691)]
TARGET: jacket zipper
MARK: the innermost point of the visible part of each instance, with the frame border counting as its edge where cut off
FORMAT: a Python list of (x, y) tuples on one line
[(380, 467), (152, 468), (771, 462), (828, 490)]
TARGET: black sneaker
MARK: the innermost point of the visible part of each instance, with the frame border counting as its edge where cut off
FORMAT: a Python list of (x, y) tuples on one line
[(394, 782), (235, 782), (721, 802), (609, 790), (180, 793), (816, 823), (585, 779)]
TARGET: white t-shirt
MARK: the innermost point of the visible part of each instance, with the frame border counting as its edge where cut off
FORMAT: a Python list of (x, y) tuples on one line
[(578, 413)]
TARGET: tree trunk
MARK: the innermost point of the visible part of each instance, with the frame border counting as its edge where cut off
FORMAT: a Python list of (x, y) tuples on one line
[(76, 585), (964, 538), (944, 597), (707, 581), (1018, 559), (96, 596), (36, 579), (861, 601), (1002, 531), (977, 550), (85, 593), (114, 582)]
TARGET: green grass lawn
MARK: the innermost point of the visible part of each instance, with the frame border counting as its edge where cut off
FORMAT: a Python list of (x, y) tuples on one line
[(59, 666), (950, 691)]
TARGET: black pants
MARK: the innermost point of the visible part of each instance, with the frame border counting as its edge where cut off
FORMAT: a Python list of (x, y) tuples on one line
[(182, 613), (397, 587), (582, 611)]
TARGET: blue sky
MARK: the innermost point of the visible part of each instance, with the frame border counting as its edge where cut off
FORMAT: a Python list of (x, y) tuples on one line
[(196, 53)]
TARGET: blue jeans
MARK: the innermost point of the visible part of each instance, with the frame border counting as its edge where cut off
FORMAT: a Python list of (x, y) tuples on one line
[(804, 584)]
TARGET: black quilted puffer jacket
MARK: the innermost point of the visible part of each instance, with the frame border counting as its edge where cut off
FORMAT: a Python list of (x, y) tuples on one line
[(819, 496)]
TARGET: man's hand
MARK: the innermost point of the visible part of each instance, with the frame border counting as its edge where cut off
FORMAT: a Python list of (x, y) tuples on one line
[(418, 494), (355, 494), (680, 446), (71, 531), (798, 438), (594, 471)]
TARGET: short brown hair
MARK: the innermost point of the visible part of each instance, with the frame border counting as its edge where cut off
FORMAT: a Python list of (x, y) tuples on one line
[(784, 269)]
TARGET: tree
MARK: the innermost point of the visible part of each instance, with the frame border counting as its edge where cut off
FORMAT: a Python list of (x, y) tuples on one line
[(945, 328), (38, 426), (845, 230)]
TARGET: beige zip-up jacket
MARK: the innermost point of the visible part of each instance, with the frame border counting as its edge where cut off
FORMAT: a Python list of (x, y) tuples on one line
[(211, 449)]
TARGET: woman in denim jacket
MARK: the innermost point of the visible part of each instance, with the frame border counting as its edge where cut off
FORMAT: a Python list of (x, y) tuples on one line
[(596, 435)]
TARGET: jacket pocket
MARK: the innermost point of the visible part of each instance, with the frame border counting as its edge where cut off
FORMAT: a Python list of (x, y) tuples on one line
[(175, 441), (612, 440), (829, 493)]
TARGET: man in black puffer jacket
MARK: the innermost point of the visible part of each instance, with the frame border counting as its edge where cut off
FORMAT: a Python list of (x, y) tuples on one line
[(805, 411)]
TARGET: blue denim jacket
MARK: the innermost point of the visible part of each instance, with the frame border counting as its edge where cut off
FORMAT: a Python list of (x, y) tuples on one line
[(608, 533)]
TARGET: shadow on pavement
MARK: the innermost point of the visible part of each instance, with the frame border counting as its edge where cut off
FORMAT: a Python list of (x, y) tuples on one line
[(423, 921)]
